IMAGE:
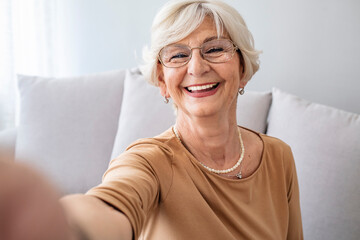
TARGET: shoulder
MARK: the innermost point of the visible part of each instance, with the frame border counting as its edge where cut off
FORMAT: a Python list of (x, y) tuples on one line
[(158, 145), (275, 144), (262, 142), (279, 152), (156, 151), (150, 158)]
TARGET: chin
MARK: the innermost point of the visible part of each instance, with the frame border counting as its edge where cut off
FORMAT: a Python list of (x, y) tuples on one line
[(206, 111)]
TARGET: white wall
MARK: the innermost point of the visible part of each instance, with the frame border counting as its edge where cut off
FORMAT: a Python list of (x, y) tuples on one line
[(310, 48)]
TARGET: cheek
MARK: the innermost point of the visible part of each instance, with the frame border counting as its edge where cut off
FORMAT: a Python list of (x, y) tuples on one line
[(173, 77), (231, 76), (232, 71)]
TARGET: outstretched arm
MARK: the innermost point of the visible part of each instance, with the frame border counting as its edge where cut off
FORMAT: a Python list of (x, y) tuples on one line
[(91, 219), (30, 210)]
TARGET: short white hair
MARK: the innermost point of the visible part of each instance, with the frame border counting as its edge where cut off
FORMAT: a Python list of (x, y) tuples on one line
[(178, 18)]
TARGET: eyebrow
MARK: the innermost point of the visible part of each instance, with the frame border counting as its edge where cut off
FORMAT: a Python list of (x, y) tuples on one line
[(208, 39)]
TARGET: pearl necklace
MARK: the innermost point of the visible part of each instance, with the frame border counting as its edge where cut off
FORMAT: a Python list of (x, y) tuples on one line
[(225, 170)]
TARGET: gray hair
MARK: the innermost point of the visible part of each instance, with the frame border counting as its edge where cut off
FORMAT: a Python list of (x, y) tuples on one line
[(178, 18)]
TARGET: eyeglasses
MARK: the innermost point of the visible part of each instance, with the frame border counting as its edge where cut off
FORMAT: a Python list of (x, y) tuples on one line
[(214, 51)]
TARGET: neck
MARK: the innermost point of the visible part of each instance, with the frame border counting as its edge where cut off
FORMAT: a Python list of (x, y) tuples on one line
[(214, 142)]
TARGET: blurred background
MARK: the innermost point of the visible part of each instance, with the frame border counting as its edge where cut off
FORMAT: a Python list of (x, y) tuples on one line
[(310, 48)]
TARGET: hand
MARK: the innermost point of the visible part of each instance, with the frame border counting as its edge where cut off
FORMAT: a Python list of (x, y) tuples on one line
[(29, 207)]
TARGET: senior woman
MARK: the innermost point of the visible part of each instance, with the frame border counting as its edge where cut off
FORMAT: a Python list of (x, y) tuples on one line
[(206, 177)]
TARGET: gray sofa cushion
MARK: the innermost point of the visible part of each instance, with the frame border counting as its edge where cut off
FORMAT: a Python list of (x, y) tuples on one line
[(326, 146), (67, 126), (144, 114)]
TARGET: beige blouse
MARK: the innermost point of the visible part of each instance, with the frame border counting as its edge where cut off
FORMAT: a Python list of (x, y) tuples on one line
[(167, 194)]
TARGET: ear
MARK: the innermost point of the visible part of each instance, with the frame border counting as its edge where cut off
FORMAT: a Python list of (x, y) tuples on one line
[(243, 81), (161, 81)]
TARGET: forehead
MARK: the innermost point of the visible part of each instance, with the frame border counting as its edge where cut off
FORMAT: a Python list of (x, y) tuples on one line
[(206, 31)]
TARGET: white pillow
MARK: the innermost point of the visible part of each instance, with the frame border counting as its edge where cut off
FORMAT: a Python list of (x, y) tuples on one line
[(144, 114), (68, 126), (326, 147)]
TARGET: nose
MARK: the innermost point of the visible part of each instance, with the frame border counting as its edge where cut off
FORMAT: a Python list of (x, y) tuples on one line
[(197, 65)]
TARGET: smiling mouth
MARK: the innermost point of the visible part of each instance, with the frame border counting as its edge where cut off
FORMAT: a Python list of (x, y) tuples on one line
[(202, 88)]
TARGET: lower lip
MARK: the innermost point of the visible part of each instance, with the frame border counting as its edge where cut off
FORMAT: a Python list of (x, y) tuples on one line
[(202, 94)]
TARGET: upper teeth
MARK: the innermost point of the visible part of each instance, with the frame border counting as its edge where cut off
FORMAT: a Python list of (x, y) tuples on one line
[(202, 87)]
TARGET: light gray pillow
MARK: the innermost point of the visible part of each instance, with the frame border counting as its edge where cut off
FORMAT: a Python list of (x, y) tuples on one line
[(67, 126), (144, 114), (326, 147)]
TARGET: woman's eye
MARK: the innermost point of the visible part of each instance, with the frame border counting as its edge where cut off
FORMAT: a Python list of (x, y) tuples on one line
[(179, 55), (214, 50)]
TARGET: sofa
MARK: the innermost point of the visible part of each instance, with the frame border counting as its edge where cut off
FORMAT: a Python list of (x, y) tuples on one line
[(70, 128)]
